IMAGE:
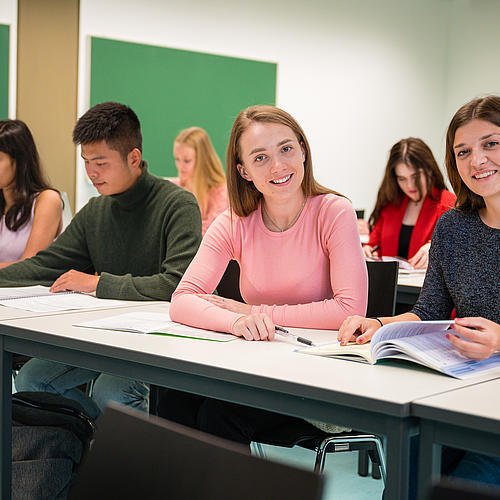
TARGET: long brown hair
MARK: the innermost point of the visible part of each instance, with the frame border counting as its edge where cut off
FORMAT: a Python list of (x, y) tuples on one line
[(16, 141), (244, 197), (414, 153), (484, 108), (208, 171)]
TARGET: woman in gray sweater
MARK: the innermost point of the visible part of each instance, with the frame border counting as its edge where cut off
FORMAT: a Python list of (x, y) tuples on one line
[(464, 259)]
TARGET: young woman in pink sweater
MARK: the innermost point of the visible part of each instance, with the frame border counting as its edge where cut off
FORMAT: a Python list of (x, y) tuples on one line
[(298, 248)]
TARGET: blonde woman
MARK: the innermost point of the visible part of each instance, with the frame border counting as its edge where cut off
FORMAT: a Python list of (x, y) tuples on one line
[(200, 172)]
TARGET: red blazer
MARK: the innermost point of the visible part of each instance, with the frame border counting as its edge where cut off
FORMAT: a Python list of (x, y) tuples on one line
[(385, 232)]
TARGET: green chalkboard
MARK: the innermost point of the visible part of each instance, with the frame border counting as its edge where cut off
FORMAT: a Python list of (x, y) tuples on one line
[(4, 71), (172, 89)]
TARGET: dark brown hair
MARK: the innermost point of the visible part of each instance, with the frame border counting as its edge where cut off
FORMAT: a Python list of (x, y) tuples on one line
[(484, 108), (16, 141), (414, 153), (112, 122), (244, 197)]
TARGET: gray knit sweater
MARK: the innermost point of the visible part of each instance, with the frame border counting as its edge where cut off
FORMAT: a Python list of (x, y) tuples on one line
[(464, 269)]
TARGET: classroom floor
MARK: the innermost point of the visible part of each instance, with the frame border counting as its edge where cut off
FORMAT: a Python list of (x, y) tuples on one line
[(343, 481)]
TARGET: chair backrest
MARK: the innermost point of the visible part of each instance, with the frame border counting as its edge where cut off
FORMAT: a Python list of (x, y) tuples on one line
[(136, 457), (382, 287), (229, 285)]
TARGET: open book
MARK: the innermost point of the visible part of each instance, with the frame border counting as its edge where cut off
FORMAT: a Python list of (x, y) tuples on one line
[(154, 323), (39, 299), (404, 265), (422, 342)]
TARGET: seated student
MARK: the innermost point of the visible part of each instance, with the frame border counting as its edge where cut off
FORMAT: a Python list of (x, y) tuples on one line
[(410, 200), (31, 209), (200, 171), (464, 263), (133, 242), (298, 248)]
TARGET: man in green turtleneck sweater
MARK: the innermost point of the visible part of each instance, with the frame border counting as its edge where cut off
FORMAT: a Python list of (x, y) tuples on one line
[(133, 242)]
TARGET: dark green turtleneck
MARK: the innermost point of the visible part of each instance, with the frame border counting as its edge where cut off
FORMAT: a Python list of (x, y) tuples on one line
[(140, 242)]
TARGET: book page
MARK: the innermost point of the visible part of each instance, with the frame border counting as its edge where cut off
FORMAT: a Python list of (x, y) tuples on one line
[(60, 302), (349, 351), (154, 323), (24, 291), (435, 351)]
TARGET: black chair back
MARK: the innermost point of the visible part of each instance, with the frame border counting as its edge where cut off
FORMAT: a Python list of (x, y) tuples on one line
[(382, 287), (136, 457), (229, 285)]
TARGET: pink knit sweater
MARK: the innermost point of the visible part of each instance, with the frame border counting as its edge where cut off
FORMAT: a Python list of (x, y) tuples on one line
[(312, 276)]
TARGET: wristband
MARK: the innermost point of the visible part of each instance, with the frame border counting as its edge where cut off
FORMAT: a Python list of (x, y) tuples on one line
[(381, 324)]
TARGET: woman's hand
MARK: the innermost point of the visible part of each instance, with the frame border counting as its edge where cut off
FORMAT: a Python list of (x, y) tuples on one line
[(483, 337), (229, 304), (368, 251), (256, 326), (358, 329), (421, 258)]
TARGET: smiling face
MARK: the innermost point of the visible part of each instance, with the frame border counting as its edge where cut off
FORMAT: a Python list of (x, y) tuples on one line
[(107, 170), (7, 171), (408, 178), (185, 161), (477, 154), (273, 159)]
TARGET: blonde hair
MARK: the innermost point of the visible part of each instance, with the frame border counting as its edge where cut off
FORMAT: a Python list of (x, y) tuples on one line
[(208, 171), (244, 197)]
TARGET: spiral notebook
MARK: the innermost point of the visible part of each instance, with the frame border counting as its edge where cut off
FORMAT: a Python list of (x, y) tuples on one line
[(38, 298)]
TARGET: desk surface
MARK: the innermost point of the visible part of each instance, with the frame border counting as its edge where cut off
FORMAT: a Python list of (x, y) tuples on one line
[(385, 388), (476, 406)]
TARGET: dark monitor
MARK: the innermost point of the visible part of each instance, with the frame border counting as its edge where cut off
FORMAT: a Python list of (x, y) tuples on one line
[(141, 457)]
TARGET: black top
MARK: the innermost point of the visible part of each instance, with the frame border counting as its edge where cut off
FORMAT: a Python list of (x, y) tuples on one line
[(404, 241)]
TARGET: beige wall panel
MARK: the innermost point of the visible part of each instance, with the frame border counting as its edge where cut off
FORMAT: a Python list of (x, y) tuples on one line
[(47, 83)]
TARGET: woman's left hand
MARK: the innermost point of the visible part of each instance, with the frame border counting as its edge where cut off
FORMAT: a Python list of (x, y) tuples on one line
[(421, 258), (483, 337), (229, 304)]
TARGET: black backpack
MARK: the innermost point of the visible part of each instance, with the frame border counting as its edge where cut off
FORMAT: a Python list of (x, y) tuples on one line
[(50, 436)]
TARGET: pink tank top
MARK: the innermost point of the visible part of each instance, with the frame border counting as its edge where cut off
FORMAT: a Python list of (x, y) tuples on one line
[(13, 243)]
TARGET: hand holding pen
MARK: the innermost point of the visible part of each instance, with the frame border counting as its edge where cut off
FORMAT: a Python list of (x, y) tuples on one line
[(285, 333), (369, 251)]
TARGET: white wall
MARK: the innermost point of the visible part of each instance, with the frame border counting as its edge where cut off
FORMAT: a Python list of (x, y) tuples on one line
[(473, 52), (357, 74), (8, 15)]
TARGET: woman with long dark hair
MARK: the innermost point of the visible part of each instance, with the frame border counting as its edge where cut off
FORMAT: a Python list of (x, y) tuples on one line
[(410, 200), (31, 210)]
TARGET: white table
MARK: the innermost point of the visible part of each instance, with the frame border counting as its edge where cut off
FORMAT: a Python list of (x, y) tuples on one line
[(266, 375), (466, 418)]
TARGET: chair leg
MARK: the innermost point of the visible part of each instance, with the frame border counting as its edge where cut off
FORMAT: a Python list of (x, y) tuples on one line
[(259, 449), (381, 457), (362, 463), (319, 465), (376, 471)]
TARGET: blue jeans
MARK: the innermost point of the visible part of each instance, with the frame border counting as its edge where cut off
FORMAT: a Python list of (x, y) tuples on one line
[(458, 464), (43, 375)]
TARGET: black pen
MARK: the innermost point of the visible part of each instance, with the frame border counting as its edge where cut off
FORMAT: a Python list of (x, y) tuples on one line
[(285, 333), (375, 248)]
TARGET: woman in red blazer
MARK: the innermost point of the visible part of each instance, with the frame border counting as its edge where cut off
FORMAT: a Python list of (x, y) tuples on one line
[(410, 200)]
